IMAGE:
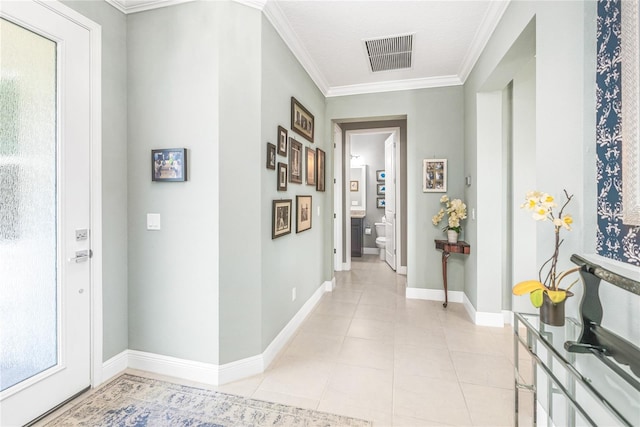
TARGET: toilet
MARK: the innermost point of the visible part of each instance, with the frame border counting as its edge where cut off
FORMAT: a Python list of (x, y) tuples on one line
[(380, 239)]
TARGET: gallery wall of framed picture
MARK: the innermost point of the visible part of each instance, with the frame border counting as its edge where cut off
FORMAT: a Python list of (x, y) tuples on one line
[(300, 162)]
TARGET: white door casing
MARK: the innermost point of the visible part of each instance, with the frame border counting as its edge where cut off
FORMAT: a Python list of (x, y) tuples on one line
[(390, 200)]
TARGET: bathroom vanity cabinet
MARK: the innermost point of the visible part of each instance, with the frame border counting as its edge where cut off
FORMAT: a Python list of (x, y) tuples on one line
[(357, 236)]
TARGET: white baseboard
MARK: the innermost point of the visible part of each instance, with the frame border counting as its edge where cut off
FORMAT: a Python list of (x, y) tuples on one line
[(478, 318), (239, 369), (482, 318), (114, 366), (403, 270), (433, 294), (508, 317), (289, 330), (371, 251), (330, 285), (209, 373), (172, 366)]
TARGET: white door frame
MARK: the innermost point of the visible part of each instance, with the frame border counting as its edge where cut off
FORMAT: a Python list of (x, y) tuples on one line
[(337, 197), (95, 36), (341, 188)]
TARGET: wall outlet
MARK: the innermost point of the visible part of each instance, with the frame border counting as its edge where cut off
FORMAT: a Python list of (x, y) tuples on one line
[(293, 294)]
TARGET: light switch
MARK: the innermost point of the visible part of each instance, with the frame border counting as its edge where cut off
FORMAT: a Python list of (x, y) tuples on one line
[(153, 221)]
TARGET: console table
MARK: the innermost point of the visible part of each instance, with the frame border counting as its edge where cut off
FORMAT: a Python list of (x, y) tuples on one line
[(573, 389), (583, 372), (447, 249)]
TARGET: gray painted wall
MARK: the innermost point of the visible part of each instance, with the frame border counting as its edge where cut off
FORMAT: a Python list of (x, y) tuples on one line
[(114, 172), (173, 102), (564, 44), (300, 260), (433, 129)]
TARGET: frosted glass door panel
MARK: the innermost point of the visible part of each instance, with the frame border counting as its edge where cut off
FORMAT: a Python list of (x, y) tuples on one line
[(28, 246)]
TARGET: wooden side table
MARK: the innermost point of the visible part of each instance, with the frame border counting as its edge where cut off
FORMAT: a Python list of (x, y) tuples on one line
[(447, 249)]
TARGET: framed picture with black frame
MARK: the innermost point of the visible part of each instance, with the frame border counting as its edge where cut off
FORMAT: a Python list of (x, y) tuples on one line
[(302, 121), (281, 218), (320, 160), (311, 166), (282, 141), (271, 156), (282, 176), (303, 213), (169, 165), (295, 161)]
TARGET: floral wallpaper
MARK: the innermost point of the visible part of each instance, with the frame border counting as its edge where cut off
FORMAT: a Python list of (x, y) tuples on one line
[(615, 240)]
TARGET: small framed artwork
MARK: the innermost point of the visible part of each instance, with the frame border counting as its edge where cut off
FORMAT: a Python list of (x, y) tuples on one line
[(302, 120), (354, 185), (311, 166), (380, 202), (295, 161), (320, 173), (380, 176), (282, 141), (434, 176), (381, 189), (281, 218), (282, 176), (169, 164), (271, 156), (303, 213)]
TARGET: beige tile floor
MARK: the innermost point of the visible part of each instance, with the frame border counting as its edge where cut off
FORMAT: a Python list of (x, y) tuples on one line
[(368, 352)]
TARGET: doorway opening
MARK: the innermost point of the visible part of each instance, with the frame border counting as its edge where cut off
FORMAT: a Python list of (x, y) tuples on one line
[(370, 192)]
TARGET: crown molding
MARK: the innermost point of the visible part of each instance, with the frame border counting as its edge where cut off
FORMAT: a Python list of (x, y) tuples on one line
[(256, 4), (393, 86), (279, 21), (485, 30), (122, 6)]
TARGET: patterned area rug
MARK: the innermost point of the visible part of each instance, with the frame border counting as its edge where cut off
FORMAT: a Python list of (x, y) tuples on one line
[(135, 401)]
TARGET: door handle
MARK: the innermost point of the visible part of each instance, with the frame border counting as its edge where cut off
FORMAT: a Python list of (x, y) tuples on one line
[(81, 256)]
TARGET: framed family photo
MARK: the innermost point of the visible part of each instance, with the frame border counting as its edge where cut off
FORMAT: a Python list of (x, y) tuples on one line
[(169, 164), (354, 185), (295, 161), (311, 166), (302, 120), (282, 141), (434, 176), (271, 156), (320, 159), (281, 218), (282, 176), (303, 213)]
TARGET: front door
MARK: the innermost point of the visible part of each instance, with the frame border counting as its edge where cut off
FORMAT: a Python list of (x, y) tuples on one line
[(45, 137)]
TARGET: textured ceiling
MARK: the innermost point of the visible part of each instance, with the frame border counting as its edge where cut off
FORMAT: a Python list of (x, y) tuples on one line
[(327, 38)]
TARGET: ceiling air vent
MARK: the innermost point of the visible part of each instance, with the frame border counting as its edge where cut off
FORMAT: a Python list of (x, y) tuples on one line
[(390, 53)]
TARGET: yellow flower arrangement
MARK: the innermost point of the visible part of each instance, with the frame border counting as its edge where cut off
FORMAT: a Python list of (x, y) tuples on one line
[(541, 205), (456, 210)]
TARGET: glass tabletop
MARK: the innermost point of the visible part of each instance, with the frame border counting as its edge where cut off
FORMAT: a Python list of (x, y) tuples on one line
[(599, 384)]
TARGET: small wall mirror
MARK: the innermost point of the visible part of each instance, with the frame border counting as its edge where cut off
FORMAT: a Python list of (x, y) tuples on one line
[(358, 188)]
